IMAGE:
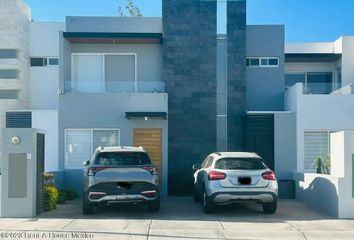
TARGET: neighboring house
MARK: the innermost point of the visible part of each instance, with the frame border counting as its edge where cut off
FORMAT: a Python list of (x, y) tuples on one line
[(182, 86)]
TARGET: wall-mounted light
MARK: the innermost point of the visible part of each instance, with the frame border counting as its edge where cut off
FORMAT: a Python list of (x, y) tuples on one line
[(16, 140)]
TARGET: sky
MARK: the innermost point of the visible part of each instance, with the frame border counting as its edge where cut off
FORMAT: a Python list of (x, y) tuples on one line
[(305, 20)]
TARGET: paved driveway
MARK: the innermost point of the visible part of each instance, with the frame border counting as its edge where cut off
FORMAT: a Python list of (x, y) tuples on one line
[(181, 218)]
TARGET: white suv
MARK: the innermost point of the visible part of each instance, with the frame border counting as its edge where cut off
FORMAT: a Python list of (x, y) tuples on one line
[(229, 177)]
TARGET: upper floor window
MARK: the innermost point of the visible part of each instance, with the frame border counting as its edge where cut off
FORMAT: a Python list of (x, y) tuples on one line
[(8, 53), (104, 72), (44, 61), (262, 62), (9, 74), (9, 94), (314, 82)]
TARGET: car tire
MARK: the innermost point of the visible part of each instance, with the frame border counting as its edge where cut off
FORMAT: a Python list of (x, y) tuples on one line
[(154, 206), (208, 205), (196, 196), (87, 207), (270, 208)]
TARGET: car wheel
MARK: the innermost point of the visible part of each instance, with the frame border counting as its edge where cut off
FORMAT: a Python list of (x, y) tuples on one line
[(196, 196), (208, 206), (270, 208), (154, 206), (87, 207)]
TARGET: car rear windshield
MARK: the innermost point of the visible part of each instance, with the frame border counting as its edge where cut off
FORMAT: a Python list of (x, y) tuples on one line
[(240, 164), (122, 159)]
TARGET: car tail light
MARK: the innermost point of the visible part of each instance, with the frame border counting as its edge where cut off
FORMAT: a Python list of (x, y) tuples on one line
[(213, 175), (93, 170), (149, 194), (152, 170), (270, 175), (96, 195)]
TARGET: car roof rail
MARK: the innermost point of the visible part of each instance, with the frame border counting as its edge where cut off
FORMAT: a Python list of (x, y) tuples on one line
[(217, 153)]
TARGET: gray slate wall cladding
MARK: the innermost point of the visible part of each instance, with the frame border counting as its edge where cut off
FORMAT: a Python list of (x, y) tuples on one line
[(236, 98), (189, 72)]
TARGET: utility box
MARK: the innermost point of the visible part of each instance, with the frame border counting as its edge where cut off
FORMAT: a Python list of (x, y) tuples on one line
[(22, 168)]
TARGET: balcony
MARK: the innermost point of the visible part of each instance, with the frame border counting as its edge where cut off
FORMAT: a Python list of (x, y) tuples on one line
[(114, 87), (327, 88)]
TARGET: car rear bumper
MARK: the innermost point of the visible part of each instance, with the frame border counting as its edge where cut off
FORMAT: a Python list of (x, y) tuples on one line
[(233, 197), (134, 192), (129, 198)]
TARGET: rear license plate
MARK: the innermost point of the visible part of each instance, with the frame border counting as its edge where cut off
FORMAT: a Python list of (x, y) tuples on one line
[(244, 180)]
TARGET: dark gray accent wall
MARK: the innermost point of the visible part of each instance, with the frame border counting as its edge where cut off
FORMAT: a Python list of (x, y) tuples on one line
[(236, 73), (189, 72), (40, 173), (265, 86)]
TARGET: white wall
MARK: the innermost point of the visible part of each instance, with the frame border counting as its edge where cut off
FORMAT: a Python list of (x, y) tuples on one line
[(284, 144), (318, 113), (47, 120), (44, 81), (342, 160), (44, 38), (348, 60)]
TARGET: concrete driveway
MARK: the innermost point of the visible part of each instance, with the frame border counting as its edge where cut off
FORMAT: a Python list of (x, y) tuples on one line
[(181, 218)]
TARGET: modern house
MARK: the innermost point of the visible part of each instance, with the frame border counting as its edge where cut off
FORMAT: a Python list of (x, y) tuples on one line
[(195, 81)]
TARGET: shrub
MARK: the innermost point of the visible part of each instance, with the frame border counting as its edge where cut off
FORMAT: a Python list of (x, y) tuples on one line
[(51, 195), (66, 195)]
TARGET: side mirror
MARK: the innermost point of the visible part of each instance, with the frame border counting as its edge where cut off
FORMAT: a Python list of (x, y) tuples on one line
[(86, 163), (196, 167)]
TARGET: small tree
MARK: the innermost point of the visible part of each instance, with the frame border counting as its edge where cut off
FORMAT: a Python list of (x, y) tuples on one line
[(129, 10)]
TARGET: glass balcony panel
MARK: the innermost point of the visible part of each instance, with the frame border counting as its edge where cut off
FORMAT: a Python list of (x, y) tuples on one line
[(114, 86)]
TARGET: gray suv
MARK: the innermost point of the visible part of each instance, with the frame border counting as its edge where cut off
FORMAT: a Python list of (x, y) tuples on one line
[(229, 177), (120, 175)]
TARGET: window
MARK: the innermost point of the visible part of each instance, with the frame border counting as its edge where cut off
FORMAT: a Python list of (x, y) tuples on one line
[(8, 53), (119, 73), (104, 72), (9, 94), (81, 143), (292, 78), (319, 83), (38, 62), (53, 61), (316, 144), (9, 74), (122, 159), (240, 164), (262, 62), (44, 61), (314, 82), (273, 62)]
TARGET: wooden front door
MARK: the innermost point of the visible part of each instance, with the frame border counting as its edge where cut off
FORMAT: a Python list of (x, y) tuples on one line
[(151, 140)]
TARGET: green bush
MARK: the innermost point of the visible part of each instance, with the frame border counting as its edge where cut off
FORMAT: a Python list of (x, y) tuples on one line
[(66, 195), (51, 195)]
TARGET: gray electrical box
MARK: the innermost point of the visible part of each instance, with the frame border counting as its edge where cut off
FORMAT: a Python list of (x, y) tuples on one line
[(22, 168)]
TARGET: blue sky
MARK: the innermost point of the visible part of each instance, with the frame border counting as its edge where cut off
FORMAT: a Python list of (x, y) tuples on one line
[(305, 20)]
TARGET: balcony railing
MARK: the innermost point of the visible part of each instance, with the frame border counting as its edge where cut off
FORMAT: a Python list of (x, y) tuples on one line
[(114, 87), (325, 89)]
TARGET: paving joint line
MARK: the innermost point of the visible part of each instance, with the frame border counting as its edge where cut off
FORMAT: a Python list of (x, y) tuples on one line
[(298, 229), (148, 232), (67, 224)]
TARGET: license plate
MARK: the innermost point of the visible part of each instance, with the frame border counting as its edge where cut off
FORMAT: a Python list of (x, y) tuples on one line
[(244, 180)]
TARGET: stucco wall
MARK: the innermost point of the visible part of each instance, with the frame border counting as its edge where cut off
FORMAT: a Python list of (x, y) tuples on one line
[(265, 86), (47, 120), (44, 81), (284, 144)]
